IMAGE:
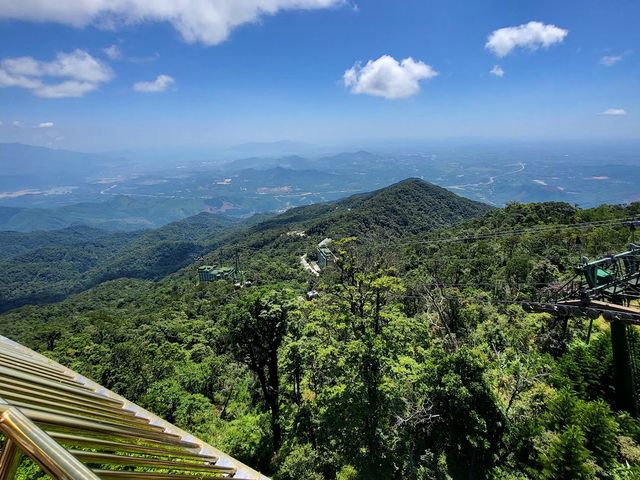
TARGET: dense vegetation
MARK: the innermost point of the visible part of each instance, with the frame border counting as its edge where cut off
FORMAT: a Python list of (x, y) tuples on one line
[(410, 206), (415, 362), (47, 266)]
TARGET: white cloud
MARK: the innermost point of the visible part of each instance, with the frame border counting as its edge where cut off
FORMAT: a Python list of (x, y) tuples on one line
[(69, 75), (17, 123), (616, 112), (69, 88), (610, 60), (388, 78), (206, 21), (46, 125), (497, 71), (113, 52), (532, 35), (160, 84)]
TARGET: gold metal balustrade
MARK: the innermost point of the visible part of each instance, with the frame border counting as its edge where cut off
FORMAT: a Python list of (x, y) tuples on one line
[(75, 429)]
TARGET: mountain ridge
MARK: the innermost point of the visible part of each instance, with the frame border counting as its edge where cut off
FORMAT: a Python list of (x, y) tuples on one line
[(47, 266), (412, 197)]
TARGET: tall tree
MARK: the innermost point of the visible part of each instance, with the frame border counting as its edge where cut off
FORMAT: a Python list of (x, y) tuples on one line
[(255, 328)]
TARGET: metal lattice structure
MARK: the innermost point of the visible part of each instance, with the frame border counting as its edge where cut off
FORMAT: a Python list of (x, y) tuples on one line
[(613, 279), (75, 429), (607, 287)]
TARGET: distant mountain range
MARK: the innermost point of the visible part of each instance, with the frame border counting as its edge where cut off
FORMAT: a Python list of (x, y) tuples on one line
[(25, 166), (118, 213), (62, 188), (267, 149)]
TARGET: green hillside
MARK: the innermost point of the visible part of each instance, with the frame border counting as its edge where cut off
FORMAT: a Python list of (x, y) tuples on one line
[(17, 243), (406, 207), (416, 361), (43, 267), (46, 266)]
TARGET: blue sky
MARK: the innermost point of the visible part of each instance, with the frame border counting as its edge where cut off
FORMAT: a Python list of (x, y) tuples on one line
[(218, 72)]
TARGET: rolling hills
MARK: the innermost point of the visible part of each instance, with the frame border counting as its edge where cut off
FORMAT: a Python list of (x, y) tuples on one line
[(42, 267), (116, 213), (415, 347)]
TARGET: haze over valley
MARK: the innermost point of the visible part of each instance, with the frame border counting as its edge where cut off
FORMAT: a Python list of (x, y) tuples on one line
[(42, 188)]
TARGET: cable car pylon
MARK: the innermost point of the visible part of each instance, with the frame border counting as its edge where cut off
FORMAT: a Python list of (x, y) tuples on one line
[(607, 287)]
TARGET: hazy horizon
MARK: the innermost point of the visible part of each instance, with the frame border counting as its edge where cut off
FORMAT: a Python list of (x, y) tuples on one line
[(95, 77)]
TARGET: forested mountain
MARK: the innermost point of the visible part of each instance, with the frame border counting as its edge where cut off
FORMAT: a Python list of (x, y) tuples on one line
[(406, 207), (41, 267), (416, 361), (17, 243)]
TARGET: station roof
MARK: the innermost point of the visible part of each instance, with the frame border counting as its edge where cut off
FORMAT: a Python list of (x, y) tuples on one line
[(215, 269)]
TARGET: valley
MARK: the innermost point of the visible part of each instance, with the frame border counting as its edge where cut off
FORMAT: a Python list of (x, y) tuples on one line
[(134, 195)]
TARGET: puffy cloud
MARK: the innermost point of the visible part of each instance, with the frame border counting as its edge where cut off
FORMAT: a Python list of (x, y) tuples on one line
[(532, 35), (160, 84), (45, 125), (616, 112), (17, 123), (206, 21), (113, 52), (388, 78), (69, 88), (73, 74), (497, 71)]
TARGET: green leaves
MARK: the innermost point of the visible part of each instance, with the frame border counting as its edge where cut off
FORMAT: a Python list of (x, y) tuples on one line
[(255, 327), (411, 363), (567, 457)]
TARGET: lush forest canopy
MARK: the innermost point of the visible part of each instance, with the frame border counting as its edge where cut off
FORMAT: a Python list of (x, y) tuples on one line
[(47, 266), (416, 360)]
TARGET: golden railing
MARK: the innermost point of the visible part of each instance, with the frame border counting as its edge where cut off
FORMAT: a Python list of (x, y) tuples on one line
[(75, 429)]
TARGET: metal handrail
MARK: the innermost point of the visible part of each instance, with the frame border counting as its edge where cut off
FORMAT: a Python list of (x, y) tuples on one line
[(38, 446), (75, 429)]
